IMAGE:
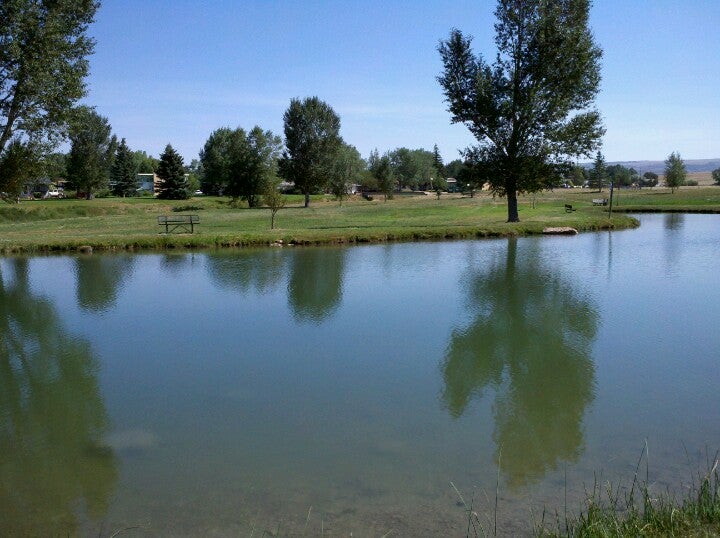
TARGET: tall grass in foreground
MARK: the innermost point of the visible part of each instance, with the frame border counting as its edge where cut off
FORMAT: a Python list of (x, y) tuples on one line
[(635, 512)]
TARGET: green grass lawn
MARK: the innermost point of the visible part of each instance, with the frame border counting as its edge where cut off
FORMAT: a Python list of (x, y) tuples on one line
[(117, 223)]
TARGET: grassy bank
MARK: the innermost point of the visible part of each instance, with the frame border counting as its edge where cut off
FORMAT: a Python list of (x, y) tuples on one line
[(114, 223), (640, 512)]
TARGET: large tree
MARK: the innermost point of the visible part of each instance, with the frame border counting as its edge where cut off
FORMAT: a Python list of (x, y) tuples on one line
[(17, 163), (716, 176), (348, 167), (531, 110), (215, 161), (252, 164), (171, 172), (675, 171), (123, 174), (43, 61), (92, 151), (312, 136)]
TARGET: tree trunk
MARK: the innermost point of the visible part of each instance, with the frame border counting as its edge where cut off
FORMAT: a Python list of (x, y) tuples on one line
[(272, 219), (307, 199), (512, 206)]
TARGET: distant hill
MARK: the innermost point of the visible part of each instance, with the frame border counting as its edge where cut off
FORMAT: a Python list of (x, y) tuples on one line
[(658, 167)]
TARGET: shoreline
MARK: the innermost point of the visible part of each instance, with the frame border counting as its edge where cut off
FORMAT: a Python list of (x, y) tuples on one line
[(282, 238)]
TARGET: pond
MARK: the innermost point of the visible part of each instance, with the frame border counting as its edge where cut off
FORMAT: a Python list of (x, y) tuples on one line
[(329, 391)]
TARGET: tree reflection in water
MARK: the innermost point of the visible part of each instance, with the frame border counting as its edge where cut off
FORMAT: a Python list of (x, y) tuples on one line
[(530, 342), (258, 270), (52, 419), (99, 277), (316, 279)]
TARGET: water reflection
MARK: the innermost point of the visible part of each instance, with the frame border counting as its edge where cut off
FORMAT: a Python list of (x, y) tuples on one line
[(529, 342), (52, 419), (674, 221), (316, 279), (258, 270), (99, 277)]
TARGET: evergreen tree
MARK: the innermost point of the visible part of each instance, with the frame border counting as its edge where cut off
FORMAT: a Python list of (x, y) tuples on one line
[(675, 172), (122, 173), (438, 162), (598, 174), (171, 172), (385, 176)]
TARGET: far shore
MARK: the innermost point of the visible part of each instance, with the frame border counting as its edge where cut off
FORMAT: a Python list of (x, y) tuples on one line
[(130, 224)]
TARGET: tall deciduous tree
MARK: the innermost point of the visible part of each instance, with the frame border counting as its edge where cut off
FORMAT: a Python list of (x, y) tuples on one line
[(312, 136), (348, 167), (123, 174), (43, 61), (675, 172), (171, 172), (531, 110), (17, 163), (215, 161), (252, 164), (383, 172), (92, 151)]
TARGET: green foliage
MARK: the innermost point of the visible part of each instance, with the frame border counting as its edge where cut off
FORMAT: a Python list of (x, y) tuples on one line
[(215, 161), (144, 163), (18, 163), (347, 168), (598, 174), (274, 200), (578, 176), (312, 136), (239, 164), (716, 176), (675, 172), (43, 61), (531, 109), (415, 168), (122, 174), (383, 171), (171, 171), (92, 151), (253, 164), (649, 179)]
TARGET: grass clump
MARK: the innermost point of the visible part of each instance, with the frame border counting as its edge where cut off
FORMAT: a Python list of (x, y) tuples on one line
[(639, 512)]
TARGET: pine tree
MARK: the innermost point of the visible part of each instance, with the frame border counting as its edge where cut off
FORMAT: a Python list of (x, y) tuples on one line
[(171, 172), (438, 162), (598, 174), (122, 174)]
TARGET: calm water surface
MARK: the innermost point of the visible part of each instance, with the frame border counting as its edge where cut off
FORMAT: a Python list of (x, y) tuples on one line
[(341, 390)]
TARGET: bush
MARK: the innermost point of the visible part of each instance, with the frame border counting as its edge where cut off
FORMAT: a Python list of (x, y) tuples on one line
[(691, 183)]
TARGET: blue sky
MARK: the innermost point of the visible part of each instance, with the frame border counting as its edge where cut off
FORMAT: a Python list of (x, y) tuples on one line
[(174, 71)]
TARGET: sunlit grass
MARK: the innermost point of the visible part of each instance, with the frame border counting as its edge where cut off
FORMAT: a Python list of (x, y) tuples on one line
[(131, 223)]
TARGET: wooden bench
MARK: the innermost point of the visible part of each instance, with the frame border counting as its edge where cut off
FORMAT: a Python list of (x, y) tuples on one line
[(184, 223), (569, 208), (600, 201)]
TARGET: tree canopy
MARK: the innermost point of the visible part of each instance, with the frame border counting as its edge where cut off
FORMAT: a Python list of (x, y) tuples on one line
[(531, 110), (252, 164), (312, 136), (43, 63), (92, 151), (675, 171)]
